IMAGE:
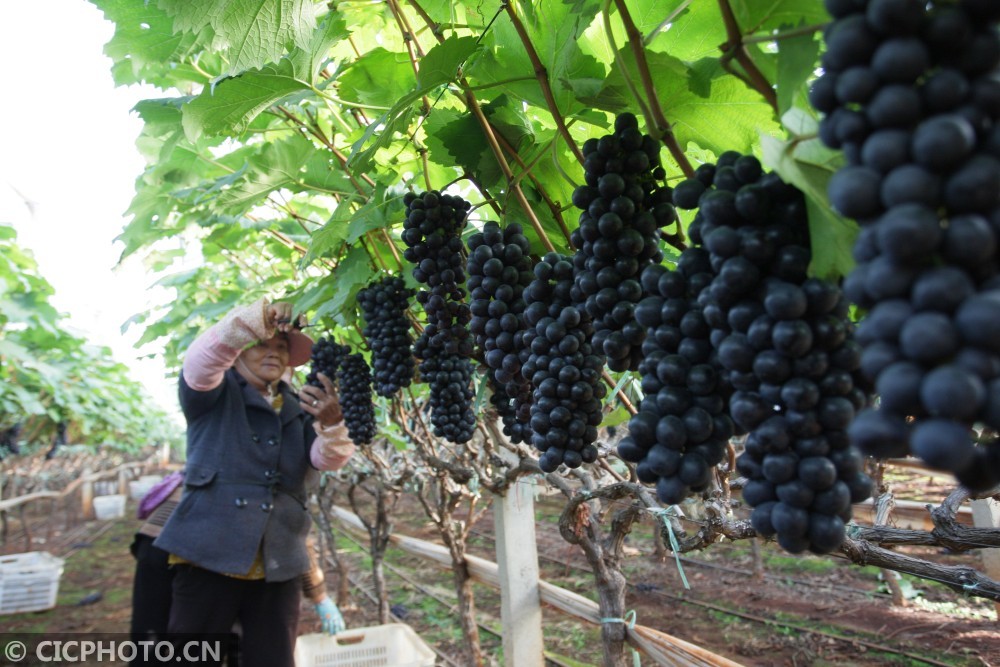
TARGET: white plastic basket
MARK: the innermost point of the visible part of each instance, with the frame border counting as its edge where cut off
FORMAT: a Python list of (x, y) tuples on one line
[(29, 581), (390, 645), (109, 507)]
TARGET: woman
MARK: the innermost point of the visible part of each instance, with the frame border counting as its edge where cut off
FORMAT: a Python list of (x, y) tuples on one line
[(238, 537)]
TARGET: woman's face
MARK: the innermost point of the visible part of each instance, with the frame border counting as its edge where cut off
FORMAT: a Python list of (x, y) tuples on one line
[(266, 361)]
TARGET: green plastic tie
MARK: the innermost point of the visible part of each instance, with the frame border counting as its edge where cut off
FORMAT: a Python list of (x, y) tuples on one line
[(629, 621), (664, 513)]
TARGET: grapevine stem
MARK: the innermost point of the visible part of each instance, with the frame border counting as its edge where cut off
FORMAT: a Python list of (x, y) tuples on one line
[(494, 143), (620, 62), (417, 413), (377, 255), (660, 123), (412, 47), (736, 46), (621, 394), (364, 240), (543, 80), (427, 174), (497, 144)]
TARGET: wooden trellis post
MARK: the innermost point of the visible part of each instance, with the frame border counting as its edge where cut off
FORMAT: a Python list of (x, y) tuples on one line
[(517, 559), (986, 514), (87, 495)]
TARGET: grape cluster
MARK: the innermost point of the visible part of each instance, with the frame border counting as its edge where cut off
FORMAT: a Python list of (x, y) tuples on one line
[(387, 330), (565, 373), (499, 268), (432, 234), (682, 429), (623, 209), (785, 345), (356, 398), (327, 355), (911, 94)]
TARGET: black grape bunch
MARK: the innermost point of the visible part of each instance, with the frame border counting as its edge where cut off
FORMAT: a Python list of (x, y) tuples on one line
[(387, 330), (911, 94), (564, 371), (327, 355), (623, 209), (682, 428), (432, 234), (355, 392), (785, 345), (499, 267)]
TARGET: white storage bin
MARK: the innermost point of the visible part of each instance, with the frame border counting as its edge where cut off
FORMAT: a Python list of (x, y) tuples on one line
[(109, 507), (390, 645), (29, 581)]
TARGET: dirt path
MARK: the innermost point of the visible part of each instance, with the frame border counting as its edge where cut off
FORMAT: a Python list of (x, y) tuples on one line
[(807, 610)]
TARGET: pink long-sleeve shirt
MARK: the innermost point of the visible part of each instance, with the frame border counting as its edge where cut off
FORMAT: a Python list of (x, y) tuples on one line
[(215, 351)]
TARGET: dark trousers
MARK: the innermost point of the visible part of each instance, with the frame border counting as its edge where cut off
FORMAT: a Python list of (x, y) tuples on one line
[(208, 603), (151, 589)]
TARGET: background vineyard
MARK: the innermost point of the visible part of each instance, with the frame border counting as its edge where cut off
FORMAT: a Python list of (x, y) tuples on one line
[(290, 133)]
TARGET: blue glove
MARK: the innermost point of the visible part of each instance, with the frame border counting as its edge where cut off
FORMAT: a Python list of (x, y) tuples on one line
[(328, 613)]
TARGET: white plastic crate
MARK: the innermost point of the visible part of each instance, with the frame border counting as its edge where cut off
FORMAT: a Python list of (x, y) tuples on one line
[(390, 645), (29, 581), (109, 507)]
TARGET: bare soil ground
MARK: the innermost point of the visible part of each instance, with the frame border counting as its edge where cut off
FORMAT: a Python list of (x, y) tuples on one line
[(806, 610)]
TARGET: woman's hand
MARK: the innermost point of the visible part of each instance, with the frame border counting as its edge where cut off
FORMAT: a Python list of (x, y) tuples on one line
[(278, 316), (322, 403)]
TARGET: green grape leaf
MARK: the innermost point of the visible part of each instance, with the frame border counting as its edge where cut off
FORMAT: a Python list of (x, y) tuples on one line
[(277, 165), (704, 105), (323, 173), (309, 59), (339, 299), (831, 236), (458, 139), (252, 33), (143, 40), (442, 62), (378, 78), (397, 119), (768, 15), (382, 209), (331, 235), (511, 121), (695, 34), (230, 105), (553, 29), (796, 58)]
